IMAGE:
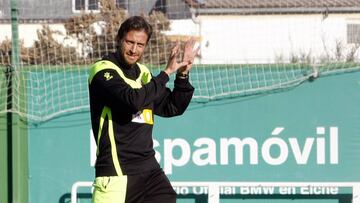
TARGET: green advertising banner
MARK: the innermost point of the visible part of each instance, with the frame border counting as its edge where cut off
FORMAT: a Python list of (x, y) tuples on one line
[(307, 134), (310, 133)]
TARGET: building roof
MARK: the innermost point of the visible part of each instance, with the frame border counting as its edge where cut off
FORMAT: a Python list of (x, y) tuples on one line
[(274, 6)]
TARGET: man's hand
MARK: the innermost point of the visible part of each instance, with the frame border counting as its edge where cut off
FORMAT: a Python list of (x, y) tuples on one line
[(189, 55), (188, 58), (172, 65)]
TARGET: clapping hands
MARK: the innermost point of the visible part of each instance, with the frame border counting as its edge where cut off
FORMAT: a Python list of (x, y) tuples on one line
[(188, 58)]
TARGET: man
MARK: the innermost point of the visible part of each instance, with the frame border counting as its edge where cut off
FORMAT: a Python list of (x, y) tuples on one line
[(123, 98)]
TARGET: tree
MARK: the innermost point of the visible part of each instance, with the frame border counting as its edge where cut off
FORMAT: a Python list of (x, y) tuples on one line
[(97, 33), (47, 50), (5, 52)]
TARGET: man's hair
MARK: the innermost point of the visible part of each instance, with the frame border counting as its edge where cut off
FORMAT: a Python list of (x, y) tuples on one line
[(137, 23)]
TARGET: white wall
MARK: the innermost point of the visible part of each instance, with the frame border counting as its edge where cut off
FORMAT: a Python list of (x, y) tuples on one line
[(244, 39), (28, 33), (266, 38)]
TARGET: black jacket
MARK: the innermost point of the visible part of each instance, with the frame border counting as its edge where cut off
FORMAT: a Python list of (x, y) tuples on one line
[(133, 137)]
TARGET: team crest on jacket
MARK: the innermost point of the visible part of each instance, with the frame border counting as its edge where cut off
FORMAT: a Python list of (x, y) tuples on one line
[(144, 116), (107, 76)]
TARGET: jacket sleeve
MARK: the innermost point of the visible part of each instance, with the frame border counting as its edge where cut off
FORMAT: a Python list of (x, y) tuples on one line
[(173, 103), (115, 92)]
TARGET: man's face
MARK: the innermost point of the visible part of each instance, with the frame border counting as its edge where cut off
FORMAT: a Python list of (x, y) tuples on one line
[(132, 46)]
